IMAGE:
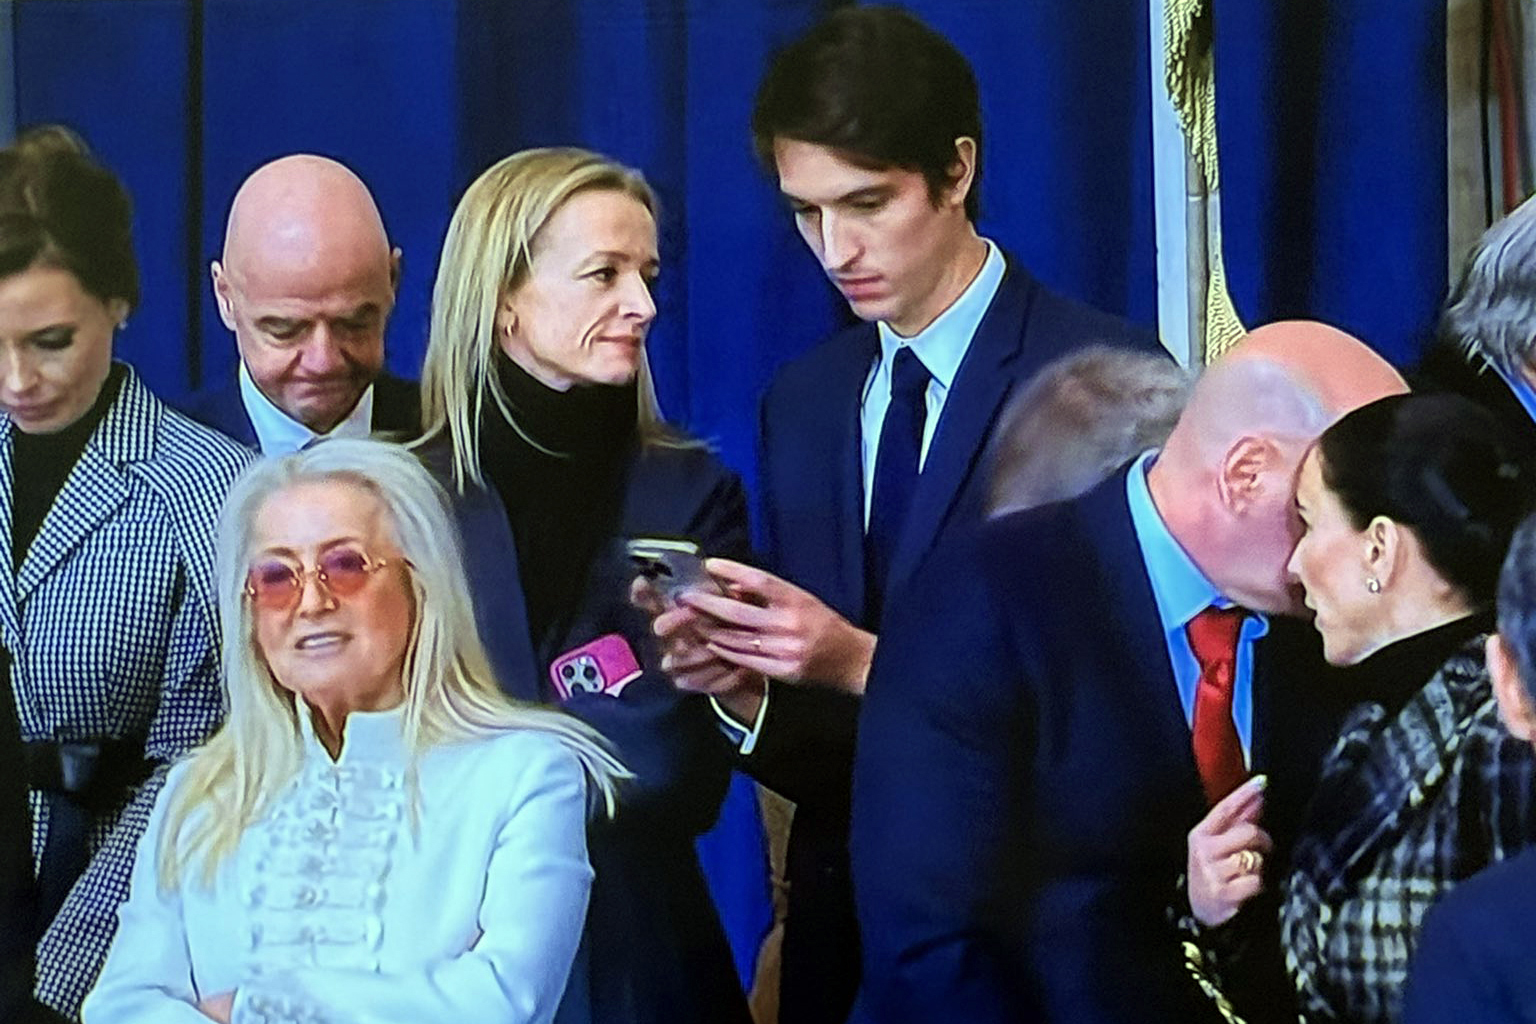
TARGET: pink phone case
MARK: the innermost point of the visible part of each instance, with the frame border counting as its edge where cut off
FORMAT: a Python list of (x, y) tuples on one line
[(605, 665)]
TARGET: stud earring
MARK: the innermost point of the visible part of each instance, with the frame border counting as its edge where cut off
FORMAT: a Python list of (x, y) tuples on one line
[(1373, 584)]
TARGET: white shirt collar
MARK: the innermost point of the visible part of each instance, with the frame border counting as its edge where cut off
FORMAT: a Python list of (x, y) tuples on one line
[(280, 434), (366, 736), (943, 344)]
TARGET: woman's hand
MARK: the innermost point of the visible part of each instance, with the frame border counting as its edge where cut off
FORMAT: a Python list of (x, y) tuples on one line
[(688, 661), (218, 1007), (1226, 855)]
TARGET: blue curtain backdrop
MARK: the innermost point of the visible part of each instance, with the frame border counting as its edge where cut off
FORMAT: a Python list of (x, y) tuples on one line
[(1332, 124), (1333, 159)]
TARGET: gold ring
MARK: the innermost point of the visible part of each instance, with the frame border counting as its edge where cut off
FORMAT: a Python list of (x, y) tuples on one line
[(1248, 862)]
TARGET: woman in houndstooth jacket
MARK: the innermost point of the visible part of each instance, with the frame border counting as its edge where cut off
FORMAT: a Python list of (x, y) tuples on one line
[(1407, 508), (107, 618)]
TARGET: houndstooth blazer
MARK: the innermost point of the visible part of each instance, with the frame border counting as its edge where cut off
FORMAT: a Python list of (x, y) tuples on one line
[(111, 623), (1406, 808)]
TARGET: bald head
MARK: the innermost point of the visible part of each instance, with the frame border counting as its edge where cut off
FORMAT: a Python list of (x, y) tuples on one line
[(306, 282), (1225, 482), (306, 212), (1338, 370)]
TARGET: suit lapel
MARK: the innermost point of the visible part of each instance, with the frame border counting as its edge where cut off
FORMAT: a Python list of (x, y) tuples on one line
[(1138, 628), (980, 386), (848, 466), (832, 465), (10, 619), (97, 486), (497, 591), (230, 415)]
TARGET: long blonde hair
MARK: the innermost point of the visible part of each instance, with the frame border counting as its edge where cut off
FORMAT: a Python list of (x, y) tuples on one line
[(450, 690), (487, 254)]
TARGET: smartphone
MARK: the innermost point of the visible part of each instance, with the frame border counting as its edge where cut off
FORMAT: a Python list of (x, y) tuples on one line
[(605, 665), (672, 566)]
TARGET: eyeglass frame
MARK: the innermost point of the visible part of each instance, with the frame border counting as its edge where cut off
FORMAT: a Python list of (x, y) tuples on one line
[(305, 573)]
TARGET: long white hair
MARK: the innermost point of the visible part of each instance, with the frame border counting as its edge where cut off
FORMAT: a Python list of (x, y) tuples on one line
[(450, 691)]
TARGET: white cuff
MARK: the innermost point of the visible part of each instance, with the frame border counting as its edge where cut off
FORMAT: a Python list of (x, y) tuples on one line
[(745, 740)]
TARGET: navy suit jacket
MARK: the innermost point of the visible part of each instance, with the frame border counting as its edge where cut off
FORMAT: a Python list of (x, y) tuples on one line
[(654, 950), (396, 409), (813, 518), (1475, 963), (1025, 782)]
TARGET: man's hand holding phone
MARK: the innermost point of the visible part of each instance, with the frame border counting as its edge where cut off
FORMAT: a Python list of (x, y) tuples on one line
[(768, 625), (666, 570)]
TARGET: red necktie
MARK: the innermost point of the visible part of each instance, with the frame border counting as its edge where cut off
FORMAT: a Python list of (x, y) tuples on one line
[(1218, 751)]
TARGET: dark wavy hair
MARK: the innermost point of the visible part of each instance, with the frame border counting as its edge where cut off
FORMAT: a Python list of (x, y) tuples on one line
[(878, 86), (60, 208), (1440, 465)]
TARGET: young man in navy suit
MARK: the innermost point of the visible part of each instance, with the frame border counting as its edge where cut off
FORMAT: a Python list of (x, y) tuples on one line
[(871, 443), (307, 283), (1064, 693)]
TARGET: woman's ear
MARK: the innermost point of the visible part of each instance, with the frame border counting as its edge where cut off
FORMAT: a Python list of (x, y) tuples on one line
[(506, 319), (1383, 540), (1514, 700), (1243, 476)]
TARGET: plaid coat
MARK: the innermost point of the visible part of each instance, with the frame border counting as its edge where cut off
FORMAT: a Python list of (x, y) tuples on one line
[(111, 624), (1405, 809)]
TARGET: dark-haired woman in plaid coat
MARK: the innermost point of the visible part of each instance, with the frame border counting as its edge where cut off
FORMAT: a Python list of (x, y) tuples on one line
[(1407, 508)]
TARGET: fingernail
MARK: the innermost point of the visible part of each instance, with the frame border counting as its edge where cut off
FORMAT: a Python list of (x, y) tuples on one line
[(1261, 781)]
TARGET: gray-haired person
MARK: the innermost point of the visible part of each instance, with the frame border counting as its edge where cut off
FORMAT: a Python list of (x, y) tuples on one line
[(1485, 346), (1080, 419)]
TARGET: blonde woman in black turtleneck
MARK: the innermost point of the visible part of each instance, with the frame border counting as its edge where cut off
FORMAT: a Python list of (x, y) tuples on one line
[(108, 641), (541, 421)]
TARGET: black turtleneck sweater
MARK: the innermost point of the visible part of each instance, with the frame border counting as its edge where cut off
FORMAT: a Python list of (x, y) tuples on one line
[(40, 464), (559, 472), (1393, 674)]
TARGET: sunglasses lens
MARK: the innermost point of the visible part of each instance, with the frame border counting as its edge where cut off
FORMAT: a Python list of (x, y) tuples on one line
[(274, 584), (345, 570)]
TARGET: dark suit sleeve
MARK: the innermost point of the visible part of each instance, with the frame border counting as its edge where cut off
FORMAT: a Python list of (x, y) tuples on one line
[(804, 750), (938, 792), (671, 741), (1451, 981)]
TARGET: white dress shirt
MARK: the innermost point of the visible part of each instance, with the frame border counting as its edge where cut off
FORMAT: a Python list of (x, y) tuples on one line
[(280, 434), (337, 906)]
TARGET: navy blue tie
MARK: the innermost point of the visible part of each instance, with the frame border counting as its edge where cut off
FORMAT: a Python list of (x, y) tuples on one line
[(896, 462)]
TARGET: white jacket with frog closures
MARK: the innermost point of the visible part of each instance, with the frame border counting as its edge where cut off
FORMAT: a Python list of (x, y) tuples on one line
[(333, 909)]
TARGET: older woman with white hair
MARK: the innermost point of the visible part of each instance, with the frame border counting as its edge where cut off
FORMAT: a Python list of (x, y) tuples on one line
[(376, 833), (542, 423)]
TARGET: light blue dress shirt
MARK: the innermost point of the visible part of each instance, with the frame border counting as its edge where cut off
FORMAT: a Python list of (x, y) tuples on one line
[(941, 346), (1181, 592), (280, 434)]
